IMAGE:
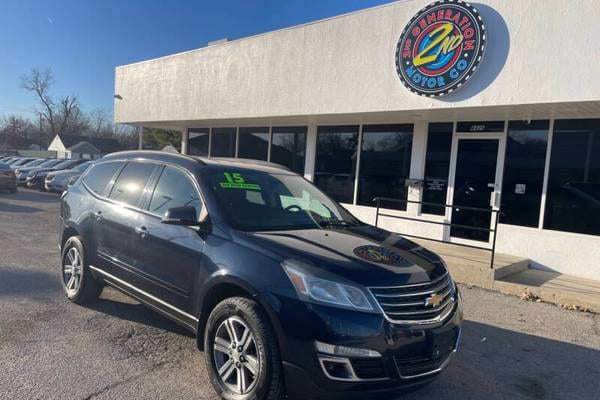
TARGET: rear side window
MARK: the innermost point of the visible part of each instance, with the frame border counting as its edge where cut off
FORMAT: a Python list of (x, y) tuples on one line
[(174, 189), (130, 184), (99, 176)]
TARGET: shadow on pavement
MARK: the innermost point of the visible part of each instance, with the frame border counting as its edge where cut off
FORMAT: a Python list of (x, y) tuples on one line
[(20, 281), (14, 208), (137, 313), (496, 363), (35, 196)]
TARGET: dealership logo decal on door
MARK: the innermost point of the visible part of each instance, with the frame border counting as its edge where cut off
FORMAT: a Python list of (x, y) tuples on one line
[(440, 48)]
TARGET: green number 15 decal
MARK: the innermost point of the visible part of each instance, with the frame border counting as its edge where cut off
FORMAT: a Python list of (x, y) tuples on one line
[(236, 181)]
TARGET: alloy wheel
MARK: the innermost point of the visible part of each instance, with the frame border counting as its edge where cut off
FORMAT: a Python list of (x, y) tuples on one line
[(72, 271), (236, 356)]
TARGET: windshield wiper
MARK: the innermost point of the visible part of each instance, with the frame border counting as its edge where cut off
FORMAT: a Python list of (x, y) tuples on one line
[(334, 224)]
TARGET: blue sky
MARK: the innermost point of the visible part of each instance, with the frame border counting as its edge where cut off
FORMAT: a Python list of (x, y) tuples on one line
[(83, 40)]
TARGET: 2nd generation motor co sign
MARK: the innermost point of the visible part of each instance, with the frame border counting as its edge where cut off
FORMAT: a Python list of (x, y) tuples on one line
[(440, 48)]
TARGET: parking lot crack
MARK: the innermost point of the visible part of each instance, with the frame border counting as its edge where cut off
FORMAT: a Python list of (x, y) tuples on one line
[(124, 381)]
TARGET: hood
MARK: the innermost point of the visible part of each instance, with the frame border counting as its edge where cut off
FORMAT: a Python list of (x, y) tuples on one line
[(364, 254), (63, 174)]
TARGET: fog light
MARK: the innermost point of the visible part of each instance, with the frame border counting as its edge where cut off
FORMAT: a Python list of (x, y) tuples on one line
[(343, 351)]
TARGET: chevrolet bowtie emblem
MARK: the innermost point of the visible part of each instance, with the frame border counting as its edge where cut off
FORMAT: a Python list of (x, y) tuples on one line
[(434, 300)]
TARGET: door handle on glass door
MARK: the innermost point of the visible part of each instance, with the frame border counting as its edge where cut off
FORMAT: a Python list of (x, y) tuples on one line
[(495, 200), (142, 231)]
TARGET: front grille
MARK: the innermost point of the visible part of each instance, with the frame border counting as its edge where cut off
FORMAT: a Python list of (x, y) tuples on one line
[(410, 303), (369, 368), (414, 367)]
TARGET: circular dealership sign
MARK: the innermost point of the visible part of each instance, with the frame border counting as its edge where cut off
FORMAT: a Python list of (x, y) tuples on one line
[(440, 48)]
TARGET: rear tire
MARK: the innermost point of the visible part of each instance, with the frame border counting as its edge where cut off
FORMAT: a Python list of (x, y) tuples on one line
[(258, 362), (77, 281)]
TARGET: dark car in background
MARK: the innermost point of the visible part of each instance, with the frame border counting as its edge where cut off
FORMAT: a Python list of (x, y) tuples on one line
[(21, 161), (285, 289), (24, 171), (58, 181), (8, 179), (37, 177)]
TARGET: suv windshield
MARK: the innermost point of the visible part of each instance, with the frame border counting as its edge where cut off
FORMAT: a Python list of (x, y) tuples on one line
[(259, 201)]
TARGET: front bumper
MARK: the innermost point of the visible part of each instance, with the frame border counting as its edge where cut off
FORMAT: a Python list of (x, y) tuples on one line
[(35, 182), (54, 186), (411, 356)]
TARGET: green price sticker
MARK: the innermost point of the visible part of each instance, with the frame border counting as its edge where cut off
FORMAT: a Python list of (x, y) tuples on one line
[(237, 181)]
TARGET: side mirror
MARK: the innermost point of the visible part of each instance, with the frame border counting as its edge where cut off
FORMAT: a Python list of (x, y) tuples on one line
[(184, 216)]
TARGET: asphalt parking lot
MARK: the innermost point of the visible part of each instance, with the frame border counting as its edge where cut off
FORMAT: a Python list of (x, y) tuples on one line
[(118, 349)]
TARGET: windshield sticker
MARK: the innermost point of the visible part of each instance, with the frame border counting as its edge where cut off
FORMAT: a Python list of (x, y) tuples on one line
[(236, 181), (381, 255)]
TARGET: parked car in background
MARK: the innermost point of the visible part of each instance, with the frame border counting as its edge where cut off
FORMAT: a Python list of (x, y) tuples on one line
[(23, 171), (21, 161), (58, 181), (8, 179), (13, 160), (37, 177), (33, 163)]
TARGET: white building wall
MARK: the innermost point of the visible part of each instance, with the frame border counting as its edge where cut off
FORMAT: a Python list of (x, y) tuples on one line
[(537, 52)]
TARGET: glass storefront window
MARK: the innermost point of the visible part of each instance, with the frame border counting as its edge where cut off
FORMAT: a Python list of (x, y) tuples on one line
[(254, 143), (524, 172), (437, 167), (385, 164), (198, 142), (288, 147), (573, 195), (335, 165), (223, 142)]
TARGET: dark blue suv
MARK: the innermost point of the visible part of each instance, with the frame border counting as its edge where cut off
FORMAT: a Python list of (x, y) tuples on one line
[(287, 292)]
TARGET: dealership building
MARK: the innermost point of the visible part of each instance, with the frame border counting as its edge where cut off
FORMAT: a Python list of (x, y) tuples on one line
[(493, 105)]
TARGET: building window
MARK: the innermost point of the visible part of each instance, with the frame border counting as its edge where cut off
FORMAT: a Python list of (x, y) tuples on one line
[(223, 142), (437, 167), (573, 195), (198, 142), (385, 164), (254, 143), (524, 172), (288, 147), (335, 165)]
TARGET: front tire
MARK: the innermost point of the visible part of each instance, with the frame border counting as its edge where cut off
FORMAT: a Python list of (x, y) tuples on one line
[(78, 283), (242, 353)]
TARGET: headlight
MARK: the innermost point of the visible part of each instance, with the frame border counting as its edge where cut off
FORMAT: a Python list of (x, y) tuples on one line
[(322, 291)]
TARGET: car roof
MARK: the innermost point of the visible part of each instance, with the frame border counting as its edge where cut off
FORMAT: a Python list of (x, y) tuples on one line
[(194, 161)]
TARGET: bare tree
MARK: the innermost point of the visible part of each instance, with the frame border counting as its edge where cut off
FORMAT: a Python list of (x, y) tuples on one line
[(100, 124), (61, 116)]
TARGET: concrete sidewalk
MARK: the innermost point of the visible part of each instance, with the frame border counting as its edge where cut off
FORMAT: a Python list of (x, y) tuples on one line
[(512, 275)]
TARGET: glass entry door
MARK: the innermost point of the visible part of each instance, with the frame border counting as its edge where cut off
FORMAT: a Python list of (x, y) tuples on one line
[(475, 180)]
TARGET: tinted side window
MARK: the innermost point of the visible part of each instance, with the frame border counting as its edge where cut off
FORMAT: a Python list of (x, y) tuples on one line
[(130, 184), (100, 175), (174, 189)]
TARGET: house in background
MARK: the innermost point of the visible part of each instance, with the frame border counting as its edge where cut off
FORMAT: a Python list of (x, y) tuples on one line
[(74, 146), (84, 150)]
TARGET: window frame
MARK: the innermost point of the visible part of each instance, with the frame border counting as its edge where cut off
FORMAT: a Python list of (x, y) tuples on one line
[(149, 194), (108, 185), (139, 205)]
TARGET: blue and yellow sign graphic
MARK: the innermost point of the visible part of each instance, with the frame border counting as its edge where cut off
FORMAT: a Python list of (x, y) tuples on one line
[(440, 48)]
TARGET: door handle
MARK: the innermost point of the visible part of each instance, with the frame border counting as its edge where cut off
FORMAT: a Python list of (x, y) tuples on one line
[(142, 231), (98, 216)]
